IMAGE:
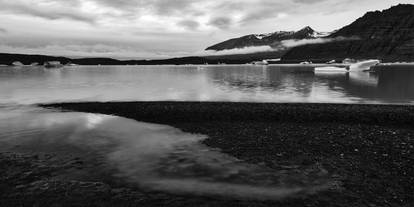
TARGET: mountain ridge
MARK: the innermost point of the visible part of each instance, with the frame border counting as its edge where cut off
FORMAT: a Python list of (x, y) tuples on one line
[(268, 39), (386, 35)]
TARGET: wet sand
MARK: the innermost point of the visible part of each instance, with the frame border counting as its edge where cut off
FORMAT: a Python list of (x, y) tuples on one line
[(367, 149)]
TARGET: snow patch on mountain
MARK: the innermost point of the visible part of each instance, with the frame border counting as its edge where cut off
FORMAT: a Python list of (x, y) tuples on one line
[(261, 36), (316, 34)]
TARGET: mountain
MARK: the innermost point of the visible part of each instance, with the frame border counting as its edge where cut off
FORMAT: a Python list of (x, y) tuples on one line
[(386, 35), (270, 39)]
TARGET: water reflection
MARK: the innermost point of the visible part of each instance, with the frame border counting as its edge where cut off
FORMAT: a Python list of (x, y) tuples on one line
[(361, 85), (208, 83), (267, 83), (156, 157), (388, 86), (396, 85)]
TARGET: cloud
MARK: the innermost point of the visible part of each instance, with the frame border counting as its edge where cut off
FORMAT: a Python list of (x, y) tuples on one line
[(51, 10), (245, 50), (308, 1), (2, 30), (118, 3), (283, 45), (266, 9), (158, 7), (170, 7), (221, 22), (189, 24), (296, 43)]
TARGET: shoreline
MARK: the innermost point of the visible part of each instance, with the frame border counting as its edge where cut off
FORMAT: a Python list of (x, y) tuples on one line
[(368, 148), (296, 64), (166, 112)]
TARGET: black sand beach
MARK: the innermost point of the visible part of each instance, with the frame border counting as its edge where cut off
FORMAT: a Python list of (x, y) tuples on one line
[(367, 149)]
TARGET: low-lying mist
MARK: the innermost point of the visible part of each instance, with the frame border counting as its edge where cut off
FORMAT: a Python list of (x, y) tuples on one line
[(278, 46)]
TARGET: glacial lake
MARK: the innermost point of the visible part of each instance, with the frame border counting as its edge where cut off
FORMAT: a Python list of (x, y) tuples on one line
[(238, 83), (164, 158)]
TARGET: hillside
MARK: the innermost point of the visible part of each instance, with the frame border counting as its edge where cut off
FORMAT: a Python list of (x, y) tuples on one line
[(386, 35)]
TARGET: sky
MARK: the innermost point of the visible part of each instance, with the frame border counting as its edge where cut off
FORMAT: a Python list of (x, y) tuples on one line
[(151, 29)]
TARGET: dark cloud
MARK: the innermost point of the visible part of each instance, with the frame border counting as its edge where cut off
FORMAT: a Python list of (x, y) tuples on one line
[(189, 24), (221, 22), (266, 10), (159, 7), (73, 3), (173, 6), (2, 30), (258, 15), (55, 10), (121, 4), (254, 10), (308, 1)]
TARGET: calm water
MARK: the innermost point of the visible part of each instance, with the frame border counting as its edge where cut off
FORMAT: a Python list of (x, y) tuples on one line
[(156, 157), (208, 83), (159, 157)]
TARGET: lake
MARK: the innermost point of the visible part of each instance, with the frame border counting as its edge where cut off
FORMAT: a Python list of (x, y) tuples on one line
[(239, 83), (164, 158)]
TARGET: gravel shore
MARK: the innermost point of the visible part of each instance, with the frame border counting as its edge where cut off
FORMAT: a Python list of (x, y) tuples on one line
[(369, 149)]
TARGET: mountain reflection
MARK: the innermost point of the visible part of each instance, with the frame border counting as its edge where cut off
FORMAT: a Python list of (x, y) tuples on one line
[(236, 83), (389, 86)]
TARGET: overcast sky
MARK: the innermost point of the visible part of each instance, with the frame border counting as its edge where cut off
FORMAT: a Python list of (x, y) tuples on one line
[(160, 28)]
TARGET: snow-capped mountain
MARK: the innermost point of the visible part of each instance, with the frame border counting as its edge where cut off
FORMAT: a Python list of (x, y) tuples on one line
[(267, 39)]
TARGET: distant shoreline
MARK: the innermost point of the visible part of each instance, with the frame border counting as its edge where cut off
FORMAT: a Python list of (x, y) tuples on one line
[(27, 60)]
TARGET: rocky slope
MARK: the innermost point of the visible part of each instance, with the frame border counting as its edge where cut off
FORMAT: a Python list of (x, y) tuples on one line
[(386, 35), (271, 39)]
